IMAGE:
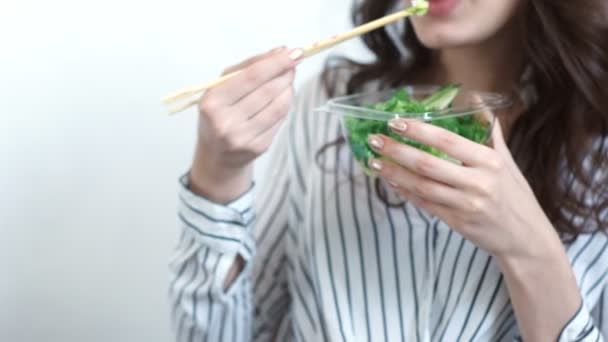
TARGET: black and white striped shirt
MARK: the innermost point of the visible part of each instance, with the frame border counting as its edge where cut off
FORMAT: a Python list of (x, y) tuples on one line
[(327, 260)]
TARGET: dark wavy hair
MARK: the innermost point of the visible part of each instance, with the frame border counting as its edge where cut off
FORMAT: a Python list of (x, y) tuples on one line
[(560, 142)]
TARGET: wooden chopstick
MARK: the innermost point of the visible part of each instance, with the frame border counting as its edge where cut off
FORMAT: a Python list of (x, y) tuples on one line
[(360, 30), (177, 109), (419, 7), (187, 92)]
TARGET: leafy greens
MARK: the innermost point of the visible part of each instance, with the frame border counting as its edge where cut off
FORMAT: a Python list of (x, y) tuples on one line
[(358, 129)]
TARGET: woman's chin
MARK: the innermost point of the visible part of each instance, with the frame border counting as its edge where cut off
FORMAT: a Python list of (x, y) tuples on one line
[(440, 40), (439, 36)]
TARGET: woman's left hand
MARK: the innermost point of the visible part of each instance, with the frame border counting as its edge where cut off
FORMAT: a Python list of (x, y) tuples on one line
[(486, 198)]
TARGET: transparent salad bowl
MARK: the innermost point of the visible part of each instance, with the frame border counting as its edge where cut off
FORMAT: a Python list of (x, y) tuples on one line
[(470, 114)]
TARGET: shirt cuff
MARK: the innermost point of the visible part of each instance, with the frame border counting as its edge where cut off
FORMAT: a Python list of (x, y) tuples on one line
[(579, 328), (225, 228)]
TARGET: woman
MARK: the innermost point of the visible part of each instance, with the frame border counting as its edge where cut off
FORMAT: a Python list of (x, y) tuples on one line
[(509, 245)]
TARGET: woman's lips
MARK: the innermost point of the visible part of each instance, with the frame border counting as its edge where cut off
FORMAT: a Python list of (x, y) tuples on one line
[(442, 7)]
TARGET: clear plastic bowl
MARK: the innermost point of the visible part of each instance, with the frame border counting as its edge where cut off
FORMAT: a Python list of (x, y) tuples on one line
[(471, 115)]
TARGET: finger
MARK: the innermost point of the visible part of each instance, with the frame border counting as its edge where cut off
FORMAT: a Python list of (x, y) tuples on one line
[(249, 106), (252, 60), (457, 147), (446, 214), (254, 76), (423, 163), (248, 130), (417, 185)]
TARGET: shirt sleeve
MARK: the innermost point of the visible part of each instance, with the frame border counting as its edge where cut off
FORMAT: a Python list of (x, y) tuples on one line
[(581, 328), (600, 313), (257, 302), (590, 325), (584, 326), (212, 236)]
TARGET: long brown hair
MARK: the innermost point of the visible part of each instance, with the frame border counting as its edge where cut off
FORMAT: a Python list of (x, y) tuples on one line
[(560, 142)]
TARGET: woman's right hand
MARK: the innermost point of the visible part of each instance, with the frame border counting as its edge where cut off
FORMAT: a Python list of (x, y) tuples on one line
[(238, 120)]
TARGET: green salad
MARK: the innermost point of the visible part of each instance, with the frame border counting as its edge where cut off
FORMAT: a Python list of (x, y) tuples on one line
[(358, 129)]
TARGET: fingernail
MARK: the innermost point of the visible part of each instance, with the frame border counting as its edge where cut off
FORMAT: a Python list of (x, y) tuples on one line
[(393, 184), (296, 54), (280, 48), (376, 142), (375, 164), (398, 125)]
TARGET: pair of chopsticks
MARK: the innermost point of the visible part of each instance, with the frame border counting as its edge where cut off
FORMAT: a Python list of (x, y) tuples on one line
[(192, 94)]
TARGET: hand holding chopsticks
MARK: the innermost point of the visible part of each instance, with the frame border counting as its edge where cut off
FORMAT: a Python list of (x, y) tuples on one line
[(417, 8)]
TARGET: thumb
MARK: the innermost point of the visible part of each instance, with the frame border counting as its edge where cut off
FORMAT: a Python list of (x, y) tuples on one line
[(497, 140), (251, 60), (498, 143)]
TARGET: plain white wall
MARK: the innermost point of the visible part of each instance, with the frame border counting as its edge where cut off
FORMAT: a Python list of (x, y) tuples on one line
[(88, 161)]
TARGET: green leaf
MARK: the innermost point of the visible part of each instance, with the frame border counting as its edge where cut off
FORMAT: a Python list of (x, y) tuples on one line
[(359, 129), (419, 7), (442, 98)]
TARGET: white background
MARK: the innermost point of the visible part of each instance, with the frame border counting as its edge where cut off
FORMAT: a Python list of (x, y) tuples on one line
[(88, 161)]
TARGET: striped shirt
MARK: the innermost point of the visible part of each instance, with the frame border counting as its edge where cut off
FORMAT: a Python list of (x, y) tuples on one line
[(327, 260)]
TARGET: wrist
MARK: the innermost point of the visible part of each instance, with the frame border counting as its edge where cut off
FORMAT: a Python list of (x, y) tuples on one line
[(542, 257), (217, 182), (539, 244), (526, 266), (542, 288)]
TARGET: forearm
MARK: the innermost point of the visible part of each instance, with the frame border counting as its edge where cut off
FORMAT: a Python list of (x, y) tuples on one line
[(543, 291)]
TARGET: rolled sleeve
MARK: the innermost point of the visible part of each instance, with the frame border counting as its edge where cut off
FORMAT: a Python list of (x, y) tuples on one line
[(580, 328), (223, 228)]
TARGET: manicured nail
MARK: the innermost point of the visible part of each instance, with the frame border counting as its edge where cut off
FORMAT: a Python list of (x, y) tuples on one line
[(376, 142), (375, 164), (275, 50), (398, 125), (296, 54)]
